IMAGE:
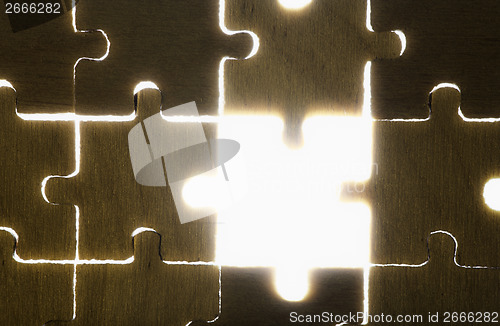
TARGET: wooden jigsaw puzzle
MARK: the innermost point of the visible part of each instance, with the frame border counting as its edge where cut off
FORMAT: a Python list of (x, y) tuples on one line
[(250, 162)]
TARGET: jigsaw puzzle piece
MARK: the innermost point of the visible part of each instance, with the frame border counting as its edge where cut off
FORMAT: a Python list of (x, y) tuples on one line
[(32, 294), (112, 204), (249, 297), (151, 291), (31, 151), (301, 51), (458, 46), (440, 292), (430, 175), (39, 60), (178, 45)]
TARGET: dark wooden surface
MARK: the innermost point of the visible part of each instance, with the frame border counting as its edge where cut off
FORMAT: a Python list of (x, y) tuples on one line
[(431, 173)]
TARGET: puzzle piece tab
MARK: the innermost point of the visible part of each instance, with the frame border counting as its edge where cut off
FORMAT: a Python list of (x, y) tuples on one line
[(448, 41), (249, 298), (112, 204), (175, 44), (310, 61), (146, 291), (32, 294), (436, 291), (31, 151), (39, 61), (430, 175)]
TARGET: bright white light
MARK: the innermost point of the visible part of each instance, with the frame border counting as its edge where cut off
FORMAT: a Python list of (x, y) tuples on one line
[(144, 85), (445, 85), (298, 276), (294, 4), (402, 38), (6, 83), (369, 16), (207, 190), (492, 194), (291, 213)]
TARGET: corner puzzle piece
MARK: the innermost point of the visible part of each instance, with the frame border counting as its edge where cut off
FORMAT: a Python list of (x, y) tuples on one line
[(31, 151), (440, 288), (39, 61), (430, 176), (459, 46), (309, 61), (32, 294), (249, 298), (112, 204), (145, 292), (178, 45)]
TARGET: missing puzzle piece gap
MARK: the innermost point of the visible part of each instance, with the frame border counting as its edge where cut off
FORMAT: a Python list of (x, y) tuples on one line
[(294, 4), (491, 193)]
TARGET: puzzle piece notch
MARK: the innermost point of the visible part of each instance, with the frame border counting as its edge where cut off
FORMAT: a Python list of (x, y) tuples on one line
[(112, 204), (458, 46), (32, 293), (177, 45), (154, 293), (32, 150), (297, 66), (249, 296), (439, 286), (430, 176), (39, 62)]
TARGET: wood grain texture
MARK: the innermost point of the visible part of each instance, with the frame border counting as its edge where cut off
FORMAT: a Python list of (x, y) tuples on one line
[(30, 151), (309, 61), (175, 44), (32, 294), (430, 176), (112, 204), (39, 62), (447, 41), (145, 292), (438, 287)]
